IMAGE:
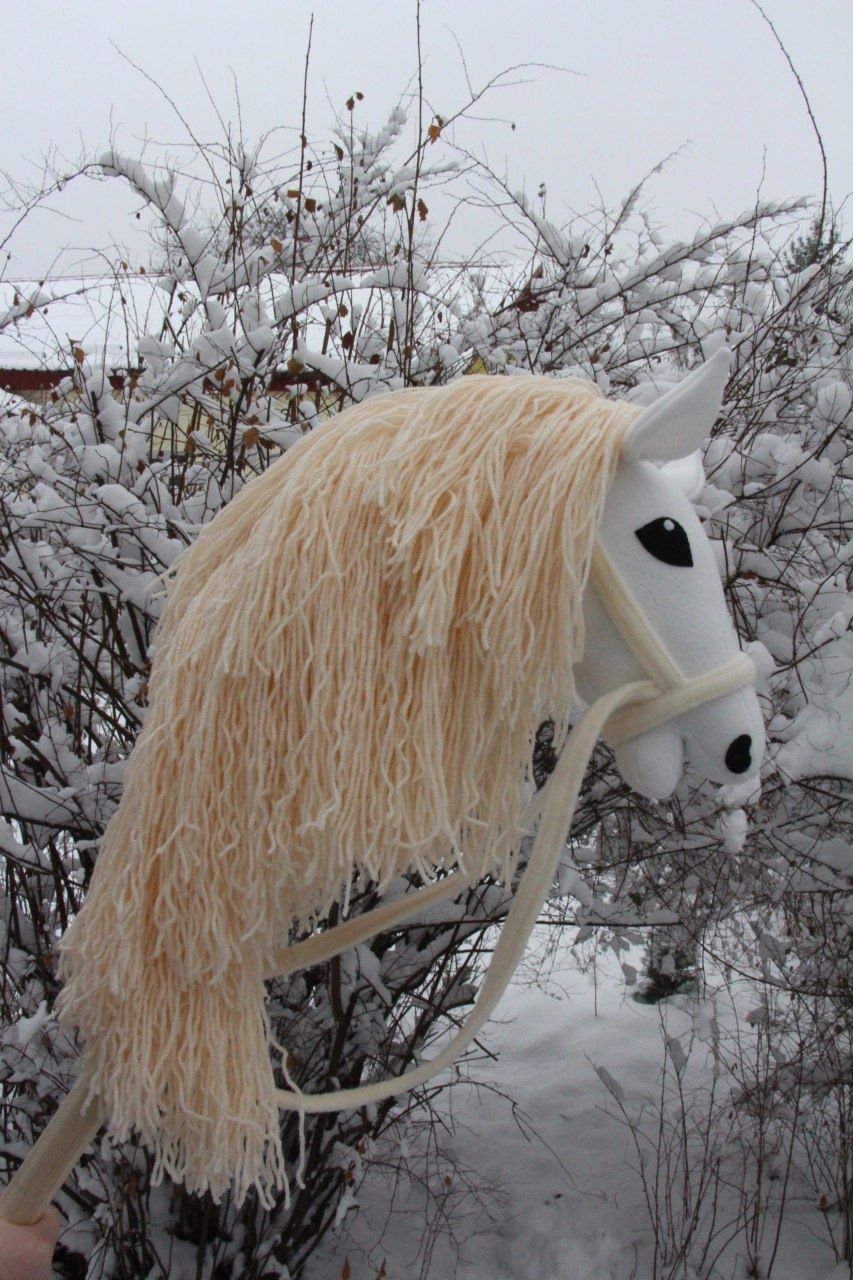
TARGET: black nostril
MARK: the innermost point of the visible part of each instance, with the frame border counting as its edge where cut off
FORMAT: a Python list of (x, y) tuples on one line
[(738, 758)]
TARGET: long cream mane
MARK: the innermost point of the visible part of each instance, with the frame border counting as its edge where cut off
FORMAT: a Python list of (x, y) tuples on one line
[(348, 674)]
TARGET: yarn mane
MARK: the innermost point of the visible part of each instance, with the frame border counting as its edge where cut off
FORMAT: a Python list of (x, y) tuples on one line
[(349, 671)]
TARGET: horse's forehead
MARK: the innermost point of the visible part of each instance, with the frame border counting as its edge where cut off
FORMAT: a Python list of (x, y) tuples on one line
[(641, 492)]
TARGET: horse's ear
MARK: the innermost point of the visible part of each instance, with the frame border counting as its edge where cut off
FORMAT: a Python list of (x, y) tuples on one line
[(681, 420)]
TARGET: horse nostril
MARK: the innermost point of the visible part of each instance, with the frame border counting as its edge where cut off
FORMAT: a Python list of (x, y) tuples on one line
[(738, 758)]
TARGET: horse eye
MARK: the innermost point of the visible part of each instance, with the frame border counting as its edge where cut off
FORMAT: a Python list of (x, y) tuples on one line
[(666, 540)]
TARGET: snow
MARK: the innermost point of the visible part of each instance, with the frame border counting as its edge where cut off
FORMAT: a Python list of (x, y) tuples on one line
[(27, 1028), (535, 1175)]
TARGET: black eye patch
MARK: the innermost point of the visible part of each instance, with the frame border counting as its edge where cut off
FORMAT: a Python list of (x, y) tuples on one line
[(666, 540)]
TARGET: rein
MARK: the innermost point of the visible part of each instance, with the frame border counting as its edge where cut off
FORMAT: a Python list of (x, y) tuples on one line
[(621, 714), (618, 715)]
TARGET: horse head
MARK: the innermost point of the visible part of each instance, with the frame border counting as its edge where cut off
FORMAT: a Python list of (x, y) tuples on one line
[(662, 566)]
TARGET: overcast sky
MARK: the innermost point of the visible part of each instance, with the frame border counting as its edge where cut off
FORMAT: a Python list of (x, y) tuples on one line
[(652, 75)]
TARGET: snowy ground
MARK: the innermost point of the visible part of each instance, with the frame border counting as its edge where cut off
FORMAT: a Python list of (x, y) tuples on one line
[(543, 1190)]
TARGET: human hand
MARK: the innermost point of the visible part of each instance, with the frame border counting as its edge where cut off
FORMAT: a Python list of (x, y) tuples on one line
[(26, 1252)]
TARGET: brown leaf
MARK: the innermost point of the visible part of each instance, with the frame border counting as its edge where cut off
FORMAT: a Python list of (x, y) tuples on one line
[(251, 437), (294, 193), (422, 211), (310, 204), (276, 245), (346, 1270), (219, 374), (339, 152), (79, 355), (434, 132), (397, 203)]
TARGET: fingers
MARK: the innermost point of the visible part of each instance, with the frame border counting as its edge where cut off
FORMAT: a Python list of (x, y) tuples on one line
[(48, 1226)]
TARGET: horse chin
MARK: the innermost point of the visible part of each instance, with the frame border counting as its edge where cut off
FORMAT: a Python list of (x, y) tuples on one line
[(652, 763)]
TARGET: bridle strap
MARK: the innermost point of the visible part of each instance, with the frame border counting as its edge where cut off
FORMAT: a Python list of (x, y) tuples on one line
[(674, 692), (558, 806), (630, 722), (621, 714), (331, 942), (631, 622)]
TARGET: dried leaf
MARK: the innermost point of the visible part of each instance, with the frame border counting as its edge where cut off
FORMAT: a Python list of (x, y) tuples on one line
[(434, 132), (79, 355), (276, 245), (346, 1270), (310, 204), (251, 437), (422, 211)]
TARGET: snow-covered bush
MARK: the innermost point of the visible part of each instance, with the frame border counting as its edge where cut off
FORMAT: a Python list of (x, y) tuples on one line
[(280, 296)]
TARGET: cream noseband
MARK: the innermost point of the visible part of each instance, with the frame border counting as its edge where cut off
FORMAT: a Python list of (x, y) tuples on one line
[(619, 715)]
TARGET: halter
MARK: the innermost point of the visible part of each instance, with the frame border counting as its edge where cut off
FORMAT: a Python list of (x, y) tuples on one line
[(619, 715)]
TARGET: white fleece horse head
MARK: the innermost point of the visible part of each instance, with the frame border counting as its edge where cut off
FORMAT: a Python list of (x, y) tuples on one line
[(653, 536)]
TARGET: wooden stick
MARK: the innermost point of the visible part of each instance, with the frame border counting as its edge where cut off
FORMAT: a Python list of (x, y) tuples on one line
[(45, 1168)]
